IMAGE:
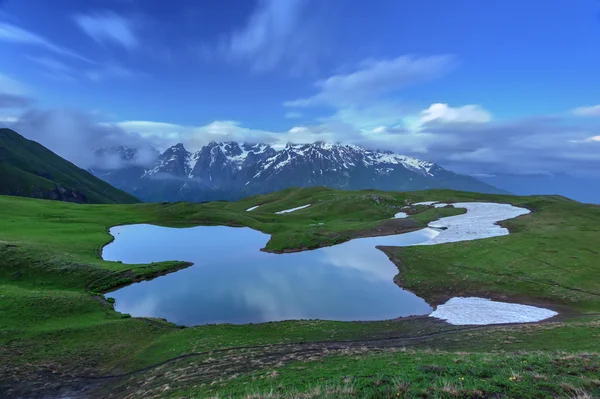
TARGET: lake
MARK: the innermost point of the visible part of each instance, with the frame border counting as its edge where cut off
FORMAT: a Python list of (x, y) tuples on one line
[(232, 281)]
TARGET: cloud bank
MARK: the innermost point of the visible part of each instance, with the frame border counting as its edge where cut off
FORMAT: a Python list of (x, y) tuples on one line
[(75, 136)]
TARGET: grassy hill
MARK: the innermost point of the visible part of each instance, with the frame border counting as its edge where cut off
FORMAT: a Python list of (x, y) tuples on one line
[(29, 169), (58, 336)]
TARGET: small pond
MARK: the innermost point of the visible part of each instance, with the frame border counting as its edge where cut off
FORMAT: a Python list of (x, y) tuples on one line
[(232, 281)]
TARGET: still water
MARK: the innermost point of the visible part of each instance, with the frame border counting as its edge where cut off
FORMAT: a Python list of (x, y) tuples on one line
[(232, 281)]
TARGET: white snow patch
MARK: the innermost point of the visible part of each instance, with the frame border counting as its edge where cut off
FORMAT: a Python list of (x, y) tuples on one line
[(191, 161), (479, 222), (252, 208), (401, 215), (440, 205), (425, 203), (293, 209), (469, 311)]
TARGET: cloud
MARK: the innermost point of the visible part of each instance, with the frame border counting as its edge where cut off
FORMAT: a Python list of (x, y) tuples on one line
[(162, 135), (587, 111), (14, 101), (111, 72), (108, 27), (12, 33), (372, 115), (58, 70), (293, 115), (13, 94), (277, 32), (9, 85), (376, 78), (443, 113), (54, 68), (532, 145), (75, 136)]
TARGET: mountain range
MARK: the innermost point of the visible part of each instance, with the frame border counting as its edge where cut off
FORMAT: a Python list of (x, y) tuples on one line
[(29, 169), (232, 170)]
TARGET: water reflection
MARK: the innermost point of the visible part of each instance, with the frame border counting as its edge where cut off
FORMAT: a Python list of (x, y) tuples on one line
[(233, 282)]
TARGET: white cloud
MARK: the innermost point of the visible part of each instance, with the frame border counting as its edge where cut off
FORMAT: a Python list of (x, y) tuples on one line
[(277, 32), (108, 27), (444, 113), (75, 135), (587, 111), (8, 120), (375, 78), (374, 114), (543, 145), (163, 134), (12, 33)]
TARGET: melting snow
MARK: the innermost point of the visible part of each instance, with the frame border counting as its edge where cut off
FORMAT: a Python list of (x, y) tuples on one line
[(401, 215), (252, 208), (469, 311), (293, 209), (440, 205), (479, 222)]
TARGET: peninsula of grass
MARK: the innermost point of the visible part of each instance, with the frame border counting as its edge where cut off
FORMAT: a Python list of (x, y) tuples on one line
[(59, 335)]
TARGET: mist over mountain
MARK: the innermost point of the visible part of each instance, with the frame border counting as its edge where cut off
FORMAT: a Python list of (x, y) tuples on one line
[(232, 170), (28, 169)]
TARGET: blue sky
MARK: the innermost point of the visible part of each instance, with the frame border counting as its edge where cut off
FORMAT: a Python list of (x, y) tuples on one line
[(474, 85)]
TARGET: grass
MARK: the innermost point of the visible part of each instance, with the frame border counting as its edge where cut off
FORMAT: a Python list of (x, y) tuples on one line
[(413, 374), (53, 318)]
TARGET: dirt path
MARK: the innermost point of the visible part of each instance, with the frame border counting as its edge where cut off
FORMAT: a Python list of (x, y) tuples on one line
[(210, 366)]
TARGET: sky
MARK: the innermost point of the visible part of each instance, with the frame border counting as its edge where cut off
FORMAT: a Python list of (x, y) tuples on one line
[(480, 87)]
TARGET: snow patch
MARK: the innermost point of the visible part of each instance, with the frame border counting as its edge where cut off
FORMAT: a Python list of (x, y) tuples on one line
[(401, 215), (293, 209), (440, 205), (479, 222), (427, 203), (252, 208), (469, 311)]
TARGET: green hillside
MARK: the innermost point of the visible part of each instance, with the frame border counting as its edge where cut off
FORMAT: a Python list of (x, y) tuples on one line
[(28, 169), (59, 336)]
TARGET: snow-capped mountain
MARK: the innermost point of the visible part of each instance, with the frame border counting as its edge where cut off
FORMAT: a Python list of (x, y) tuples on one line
[(231, 170)]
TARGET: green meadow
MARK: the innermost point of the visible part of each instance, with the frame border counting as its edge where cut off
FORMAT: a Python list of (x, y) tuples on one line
[(60, 336)]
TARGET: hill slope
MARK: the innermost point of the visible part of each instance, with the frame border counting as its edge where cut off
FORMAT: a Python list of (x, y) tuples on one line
[(29, 169)]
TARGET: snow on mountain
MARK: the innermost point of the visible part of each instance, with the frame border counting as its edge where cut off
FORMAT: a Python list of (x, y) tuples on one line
[(231, 170), (175, 161)]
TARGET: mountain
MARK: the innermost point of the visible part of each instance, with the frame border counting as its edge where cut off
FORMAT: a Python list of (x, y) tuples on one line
[(231, 170), (29, 169)]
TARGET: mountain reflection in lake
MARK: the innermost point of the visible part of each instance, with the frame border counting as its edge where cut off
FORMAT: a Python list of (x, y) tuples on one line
[(232, 281)]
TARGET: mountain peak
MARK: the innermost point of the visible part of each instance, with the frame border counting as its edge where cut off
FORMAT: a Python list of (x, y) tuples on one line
[(178, 147), (231, 170)]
